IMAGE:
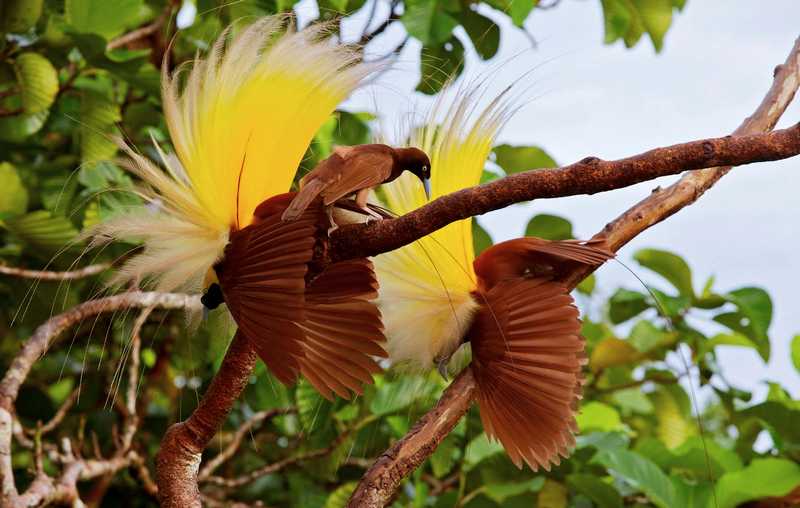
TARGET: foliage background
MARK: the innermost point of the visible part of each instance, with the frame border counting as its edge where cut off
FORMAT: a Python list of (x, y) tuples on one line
[(62, 90)]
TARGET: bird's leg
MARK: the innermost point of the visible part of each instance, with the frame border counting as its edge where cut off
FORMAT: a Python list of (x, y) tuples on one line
[(441, 366), (361, 201), (334, 226)]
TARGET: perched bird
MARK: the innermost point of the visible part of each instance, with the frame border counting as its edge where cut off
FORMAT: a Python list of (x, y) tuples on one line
[(356, 170), (522, 326), (240, 125)]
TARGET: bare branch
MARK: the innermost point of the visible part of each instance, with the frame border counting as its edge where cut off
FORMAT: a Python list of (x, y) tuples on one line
[(244, 430), (143, 32), (380, 483), (81, 273), (43, 489)]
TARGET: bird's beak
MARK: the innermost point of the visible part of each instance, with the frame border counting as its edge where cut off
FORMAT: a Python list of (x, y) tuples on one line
[(441, 366), (206, 312), (426, 184)]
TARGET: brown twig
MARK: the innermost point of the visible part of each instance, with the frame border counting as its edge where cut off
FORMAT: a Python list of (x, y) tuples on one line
[(232, 447), (142, 32), (380, 483), (80, 273)]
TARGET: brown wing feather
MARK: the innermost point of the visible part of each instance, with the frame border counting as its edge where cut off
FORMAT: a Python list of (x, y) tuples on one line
[(527, 358), (324, 174), (363, 168), (343, 329), (262, 278), (590, 253)]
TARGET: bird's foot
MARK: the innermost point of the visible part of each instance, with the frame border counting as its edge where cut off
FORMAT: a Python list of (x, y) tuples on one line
[(371, 214), (334, 226), (441, 367)]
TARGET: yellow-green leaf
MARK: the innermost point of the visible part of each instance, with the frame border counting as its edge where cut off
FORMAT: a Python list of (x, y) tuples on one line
[(99, 115), (14, 195), (674, 423), (17, 16), (552, 495), (340, 496), (611, 352), (38, 81)]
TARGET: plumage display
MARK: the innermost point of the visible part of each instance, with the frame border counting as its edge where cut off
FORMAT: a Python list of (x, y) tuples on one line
[(523, 328), (241, 121)]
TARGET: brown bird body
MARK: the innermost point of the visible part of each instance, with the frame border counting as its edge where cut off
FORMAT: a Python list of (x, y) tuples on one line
[(324, 326), (356, 170), (526, 347)]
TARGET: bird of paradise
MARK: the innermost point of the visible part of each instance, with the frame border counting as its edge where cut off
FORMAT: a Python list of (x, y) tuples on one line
[(240, 122), (523, 328)]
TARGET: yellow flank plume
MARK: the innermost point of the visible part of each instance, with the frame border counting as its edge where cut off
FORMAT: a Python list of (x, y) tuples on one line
[(240, 121), (425, 287), (248, 112)]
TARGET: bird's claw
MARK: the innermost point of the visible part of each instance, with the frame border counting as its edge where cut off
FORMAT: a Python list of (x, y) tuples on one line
[(441, 367)]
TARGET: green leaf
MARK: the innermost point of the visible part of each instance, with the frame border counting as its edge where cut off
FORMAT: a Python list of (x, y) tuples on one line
[(515, 159), (484, 33), (426, 20), (645, 337), (612, 352), (444, 458), (692, 495), (779, 417), (552, 495), (500, 492), (725, 339), (587, 285), (104, 18), (674, 422), (601, 493), (756, 305), (14, 197), (340, 496), (625, 304), (18, 127), (131, 66), (762, 478), (17, 16), (520, 10), (399, 394), (549, 227), (597, 416), (439, 64), (43, 233), (99, 116), (352, 128), (641, 473), (481, 239), (670, 266), (656, 16), (480, 449), (314, 410), (38, 81), (796, 352)]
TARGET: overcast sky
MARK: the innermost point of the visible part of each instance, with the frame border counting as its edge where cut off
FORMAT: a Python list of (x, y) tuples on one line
[(611, 102)]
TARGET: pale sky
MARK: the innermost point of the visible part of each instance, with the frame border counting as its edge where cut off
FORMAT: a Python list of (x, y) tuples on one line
[(611, 102)]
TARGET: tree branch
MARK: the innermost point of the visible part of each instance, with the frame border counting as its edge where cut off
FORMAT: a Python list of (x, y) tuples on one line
[(142, 32), (178, 459), (588, 176), (80, 273), (381, 481)]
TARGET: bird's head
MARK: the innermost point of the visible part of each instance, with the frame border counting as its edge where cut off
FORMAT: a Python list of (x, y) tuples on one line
[(212, 292), (417, 162)]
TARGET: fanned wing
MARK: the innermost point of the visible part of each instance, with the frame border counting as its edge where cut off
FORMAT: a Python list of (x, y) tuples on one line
[(527, 356), (343, 329), (263, 279), (425, 287), (590, 252), (249, 110)]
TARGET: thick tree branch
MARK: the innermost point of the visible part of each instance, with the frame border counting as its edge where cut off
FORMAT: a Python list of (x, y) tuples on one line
[(380, 483), (178, 460), (588, 176)]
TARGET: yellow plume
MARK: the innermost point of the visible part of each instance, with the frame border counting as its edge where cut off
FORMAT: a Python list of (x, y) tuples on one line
[(425, 287), (240, 125)]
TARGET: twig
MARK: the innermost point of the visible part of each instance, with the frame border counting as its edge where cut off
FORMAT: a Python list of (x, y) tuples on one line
[(380, 483), (233, 483), (141, 33), (588, 176), (81, 273), (229, 451), (44, 489)]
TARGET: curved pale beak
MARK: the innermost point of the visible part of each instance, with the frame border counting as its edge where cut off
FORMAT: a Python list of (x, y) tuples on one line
[(206, 312), (426, 184)]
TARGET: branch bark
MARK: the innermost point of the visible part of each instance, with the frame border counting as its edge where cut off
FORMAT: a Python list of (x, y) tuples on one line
[(178, 459), (80, 273), (587, 176), (380, 483)]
